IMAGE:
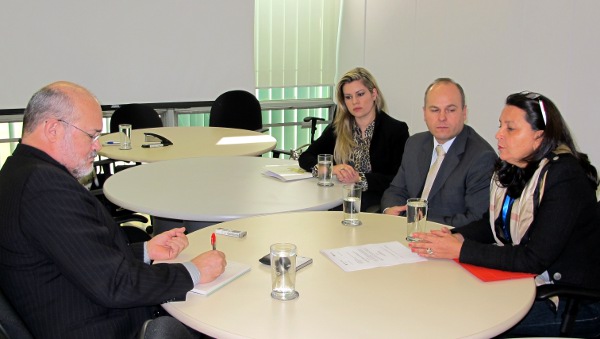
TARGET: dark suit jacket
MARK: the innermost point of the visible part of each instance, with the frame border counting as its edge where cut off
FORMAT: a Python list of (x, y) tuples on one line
[(387, 147), (563, 237), (460, 192), (64, 263)]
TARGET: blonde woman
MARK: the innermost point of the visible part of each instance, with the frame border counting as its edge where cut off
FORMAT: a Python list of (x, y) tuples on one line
[(367, 144)]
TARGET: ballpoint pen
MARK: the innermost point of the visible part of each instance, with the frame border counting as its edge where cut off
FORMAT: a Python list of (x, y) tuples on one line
[(111, 143), (213, 241)]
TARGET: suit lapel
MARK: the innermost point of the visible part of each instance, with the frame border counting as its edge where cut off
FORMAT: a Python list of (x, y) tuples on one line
[(424, 162), (451, 160)]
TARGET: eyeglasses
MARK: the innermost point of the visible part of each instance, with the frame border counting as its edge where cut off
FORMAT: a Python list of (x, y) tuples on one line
[(92, 136), (536, 96)]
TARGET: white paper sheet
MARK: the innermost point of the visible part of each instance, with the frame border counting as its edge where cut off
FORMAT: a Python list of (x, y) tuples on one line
[(355, 258)]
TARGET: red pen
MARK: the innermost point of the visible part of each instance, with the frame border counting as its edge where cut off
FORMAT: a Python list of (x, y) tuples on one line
[(213, 241)]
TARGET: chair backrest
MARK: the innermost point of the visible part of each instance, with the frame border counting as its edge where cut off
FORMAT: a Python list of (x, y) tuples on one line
[(236, 109), (11, 325), (138, 115)]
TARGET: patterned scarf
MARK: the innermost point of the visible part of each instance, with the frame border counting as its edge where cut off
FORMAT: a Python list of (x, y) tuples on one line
[(524, 207)]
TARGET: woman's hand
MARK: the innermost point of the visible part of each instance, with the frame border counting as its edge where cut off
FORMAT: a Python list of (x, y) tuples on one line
[(437, 244), (346, 174)]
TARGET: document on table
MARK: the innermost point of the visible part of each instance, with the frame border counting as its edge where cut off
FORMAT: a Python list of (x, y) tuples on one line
[(355, 258)]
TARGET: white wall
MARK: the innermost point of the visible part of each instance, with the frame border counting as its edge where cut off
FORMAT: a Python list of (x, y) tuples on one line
[(492, 48), (127, 51)]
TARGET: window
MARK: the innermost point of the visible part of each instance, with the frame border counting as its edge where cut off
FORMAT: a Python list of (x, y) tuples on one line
[(295, 62)]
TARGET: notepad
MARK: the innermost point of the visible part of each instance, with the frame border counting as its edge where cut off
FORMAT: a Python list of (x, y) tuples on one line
[(232, 272), (286, 172)]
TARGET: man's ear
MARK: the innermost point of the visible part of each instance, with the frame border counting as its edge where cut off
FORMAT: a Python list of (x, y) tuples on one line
[(52, 131)]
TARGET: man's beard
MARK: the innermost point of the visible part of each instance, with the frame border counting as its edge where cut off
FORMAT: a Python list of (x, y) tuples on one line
[(84, 169)]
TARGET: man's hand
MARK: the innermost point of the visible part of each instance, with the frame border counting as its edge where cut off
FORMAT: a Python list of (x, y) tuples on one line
[(211, 264), (167, 245), (395, 210)]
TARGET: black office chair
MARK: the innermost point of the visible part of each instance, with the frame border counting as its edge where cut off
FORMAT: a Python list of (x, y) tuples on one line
[(237, 109), (11, 324), (139, 116), (573, 296)]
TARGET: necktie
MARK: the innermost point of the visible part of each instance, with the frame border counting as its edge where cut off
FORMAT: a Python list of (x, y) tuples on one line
[(433, 171)]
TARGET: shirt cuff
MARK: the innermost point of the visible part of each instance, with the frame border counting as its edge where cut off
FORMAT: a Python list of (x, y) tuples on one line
[(146, 256), (194, 272), (189, 266)]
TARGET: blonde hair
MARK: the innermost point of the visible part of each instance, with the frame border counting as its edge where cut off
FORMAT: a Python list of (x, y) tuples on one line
[(343, 120)]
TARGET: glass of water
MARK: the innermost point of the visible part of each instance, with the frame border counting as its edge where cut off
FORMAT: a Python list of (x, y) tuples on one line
[(351, 195), (416, 217), (325, 169), (283, 271), (125, 136)]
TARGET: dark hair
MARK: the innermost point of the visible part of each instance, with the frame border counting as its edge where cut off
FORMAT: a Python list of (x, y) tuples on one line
[(542, 115)]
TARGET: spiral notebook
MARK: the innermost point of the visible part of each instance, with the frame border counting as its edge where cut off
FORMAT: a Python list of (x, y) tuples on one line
[(233, 271)]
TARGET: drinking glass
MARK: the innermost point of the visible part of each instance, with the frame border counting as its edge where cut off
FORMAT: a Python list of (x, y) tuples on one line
[(325, 167), (416, 217), (283, 271), (125, 136), (351, 204)]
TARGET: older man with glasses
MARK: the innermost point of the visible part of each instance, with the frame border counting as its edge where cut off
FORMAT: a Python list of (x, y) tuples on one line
[(64, 264)]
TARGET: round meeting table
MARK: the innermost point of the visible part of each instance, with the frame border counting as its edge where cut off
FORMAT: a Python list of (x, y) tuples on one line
[(208, 190), (188, 142), (436, 298)]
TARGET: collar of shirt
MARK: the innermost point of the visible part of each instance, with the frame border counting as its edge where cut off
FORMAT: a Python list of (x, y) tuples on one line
[(445, 146)]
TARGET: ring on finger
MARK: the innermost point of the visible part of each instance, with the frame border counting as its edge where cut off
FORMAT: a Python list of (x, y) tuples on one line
[(429, 251)]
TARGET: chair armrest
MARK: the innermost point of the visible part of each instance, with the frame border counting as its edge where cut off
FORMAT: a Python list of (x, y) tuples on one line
[(551, 290)]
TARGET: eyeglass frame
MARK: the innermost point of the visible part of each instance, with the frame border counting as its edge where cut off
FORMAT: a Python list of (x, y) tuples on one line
[(537, 96), (94, 138)]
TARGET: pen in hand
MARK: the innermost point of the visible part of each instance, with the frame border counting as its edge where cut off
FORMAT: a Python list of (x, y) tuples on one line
[(213, 241)]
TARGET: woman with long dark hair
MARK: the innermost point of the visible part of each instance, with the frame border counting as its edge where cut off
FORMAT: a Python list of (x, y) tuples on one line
[(543, 215)]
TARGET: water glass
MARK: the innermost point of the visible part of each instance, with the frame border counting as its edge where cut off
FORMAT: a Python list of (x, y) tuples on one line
[(125, 136), (283, 271), (351, 204), (416, 217), (325, 169)]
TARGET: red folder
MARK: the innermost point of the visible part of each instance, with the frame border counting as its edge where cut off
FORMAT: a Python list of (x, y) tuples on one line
[(489, 274)]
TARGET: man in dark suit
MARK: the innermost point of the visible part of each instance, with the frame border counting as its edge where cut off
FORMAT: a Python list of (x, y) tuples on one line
[(64, 264), (459, 193)]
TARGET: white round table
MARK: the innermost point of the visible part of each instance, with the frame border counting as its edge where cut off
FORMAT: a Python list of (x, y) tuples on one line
[(432, 299), (215, 189), (189, 142)]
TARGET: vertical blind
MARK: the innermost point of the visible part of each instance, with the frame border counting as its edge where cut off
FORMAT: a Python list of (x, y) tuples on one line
[(296, 42)]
